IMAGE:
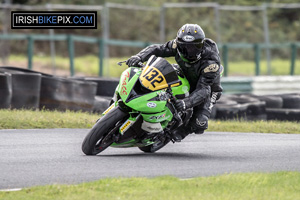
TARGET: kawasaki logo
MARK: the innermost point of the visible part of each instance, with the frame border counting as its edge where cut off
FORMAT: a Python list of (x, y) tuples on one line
[(188, 38), (151, 105)]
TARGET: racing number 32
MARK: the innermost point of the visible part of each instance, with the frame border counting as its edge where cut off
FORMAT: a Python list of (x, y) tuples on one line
[(154, 77)]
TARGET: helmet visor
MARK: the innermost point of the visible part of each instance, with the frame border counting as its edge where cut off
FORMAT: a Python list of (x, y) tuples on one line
[(190, 51)]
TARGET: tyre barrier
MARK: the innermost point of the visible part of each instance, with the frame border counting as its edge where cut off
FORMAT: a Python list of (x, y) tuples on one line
[(221, 103), (252, 107), (84, 95), (5, 90), (31, 89), (10, 69), (271, 101), (25, 87), (106, 87), (26, 90), (104, 93), (283, 114), (67, 94), (291, 101), (226, 108), (256, 109), (230, 112), (101, 104), (240, 107)]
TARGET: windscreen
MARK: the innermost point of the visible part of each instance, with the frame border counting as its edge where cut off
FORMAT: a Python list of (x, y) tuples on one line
[(158, 74)]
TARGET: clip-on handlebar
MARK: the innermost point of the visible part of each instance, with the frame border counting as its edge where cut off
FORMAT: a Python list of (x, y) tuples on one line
[(140, 64)]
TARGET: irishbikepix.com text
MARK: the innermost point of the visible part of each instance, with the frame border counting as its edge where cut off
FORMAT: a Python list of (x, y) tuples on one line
[(52, 19)]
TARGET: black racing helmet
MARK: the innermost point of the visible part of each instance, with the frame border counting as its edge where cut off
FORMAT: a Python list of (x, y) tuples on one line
[(190, 41)]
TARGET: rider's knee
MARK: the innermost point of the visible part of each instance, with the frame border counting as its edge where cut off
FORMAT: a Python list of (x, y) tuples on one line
[(200, 124)]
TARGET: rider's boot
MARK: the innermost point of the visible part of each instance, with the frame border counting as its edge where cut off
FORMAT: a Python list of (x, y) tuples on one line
[(180, 133)]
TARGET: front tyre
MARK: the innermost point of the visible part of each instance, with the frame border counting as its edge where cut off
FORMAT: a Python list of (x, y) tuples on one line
[(101, 135)]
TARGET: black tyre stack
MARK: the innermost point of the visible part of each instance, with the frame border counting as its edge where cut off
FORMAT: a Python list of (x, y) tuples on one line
[(25, 88), (28, 89), (67, 94), (254, 107), (5, 90), (290, 110), (240, 107), (105, 91)]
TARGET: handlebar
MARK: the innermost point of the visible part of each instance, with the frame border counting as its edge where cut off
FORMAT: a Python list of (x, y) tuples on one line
[(140, 64), (120, 63)]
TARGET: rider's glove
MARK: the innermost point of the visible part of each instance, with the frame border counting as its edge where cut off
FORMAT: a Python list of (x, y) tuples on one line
[(183, 104), (133, 61)]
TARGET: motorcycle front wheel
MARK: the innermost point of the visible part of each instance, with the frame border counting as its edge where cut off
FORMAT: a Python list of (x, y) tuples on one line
[(101, 135)]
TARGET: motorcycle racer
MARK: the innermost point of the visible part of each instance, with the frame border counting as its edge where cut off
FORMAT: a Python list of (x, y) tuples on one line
[(199, 59)]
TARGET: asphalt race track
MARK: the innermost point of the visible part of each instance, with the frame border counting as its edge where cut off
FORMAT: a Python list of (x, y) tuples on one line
[(50, 156)]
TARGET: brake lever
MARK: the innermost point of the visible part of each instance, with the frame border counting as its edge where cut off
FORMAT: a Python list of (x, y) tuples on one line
[(140, 64), (120, 63)]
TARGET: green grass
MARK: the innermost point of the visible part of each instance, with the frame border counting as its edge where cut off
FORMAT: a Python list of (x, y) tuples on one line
[(28, 119), (89, 65), (249, 186), (254, 126), (278, 67)]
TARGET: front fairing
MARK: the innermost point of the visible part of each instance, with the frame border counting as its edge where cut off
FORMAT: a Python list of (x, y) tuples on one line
[(131, 94), (127, 81), (135, 96), (158, 74)]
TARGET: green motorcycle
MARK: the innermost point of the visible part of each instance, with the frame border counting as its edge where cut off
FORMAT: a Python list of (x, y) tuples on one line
[(142, 113)]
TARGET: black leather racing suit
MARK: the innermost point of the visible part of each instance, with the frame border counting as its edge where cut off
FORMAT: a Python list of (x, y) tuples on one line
[(203, 76)]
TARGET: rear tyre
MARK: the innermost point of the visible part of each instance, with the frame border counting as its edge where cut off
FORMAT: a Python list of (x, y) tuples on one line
[(154, 147), (101, 135)]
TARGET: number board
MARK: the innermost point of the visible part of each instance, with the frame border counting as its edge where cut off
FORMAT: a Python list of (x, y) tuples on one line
[(153, 79)]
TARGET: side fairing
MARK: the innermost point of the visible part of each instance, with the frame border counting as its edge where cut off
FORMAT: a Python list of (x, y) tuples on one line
[(166, 114), (127, 81), (146, 104), (183, 89)]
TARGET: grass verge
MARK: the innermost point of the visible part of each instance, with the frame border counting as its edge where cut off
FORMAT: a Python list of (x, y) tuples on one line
[(258, 186), (254, 126), (28, 119)]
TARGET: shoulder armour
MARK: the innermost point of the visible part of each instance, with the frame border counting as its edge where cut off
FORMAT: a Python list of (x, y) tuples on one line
[(213, 46), (209, 41)]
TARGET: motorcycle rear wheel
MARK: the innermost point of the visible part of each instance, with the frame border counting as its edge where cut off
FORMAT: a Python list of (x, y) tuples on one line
[(101, 135)]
